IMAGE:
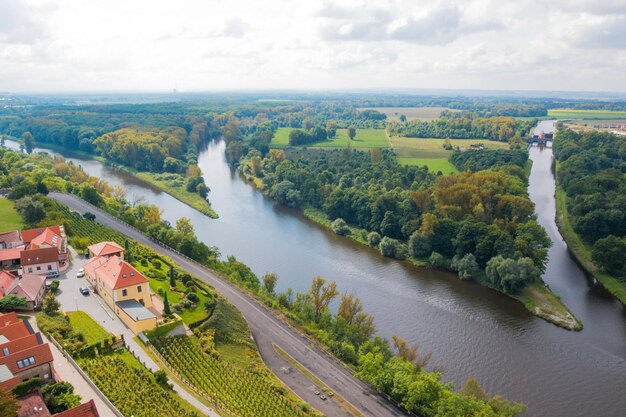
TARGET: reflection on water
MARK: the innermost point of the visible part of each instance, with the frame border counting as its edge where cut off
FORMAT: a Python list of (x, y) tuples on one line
[(472, 330)]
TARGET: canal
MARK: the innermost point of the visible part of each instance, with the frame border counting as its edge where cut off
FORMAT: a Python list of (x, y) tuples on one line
[(472, 331)]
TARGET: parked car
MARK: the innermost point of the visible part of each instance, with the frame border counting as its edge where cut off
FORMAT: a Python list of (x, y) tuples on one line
[(84, 290), (80, 273)]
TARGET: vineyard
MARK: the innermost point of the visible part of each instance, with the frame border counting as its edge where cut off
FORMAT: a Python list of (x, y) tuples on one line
[(233, 389), (79, 227), (133, 389)]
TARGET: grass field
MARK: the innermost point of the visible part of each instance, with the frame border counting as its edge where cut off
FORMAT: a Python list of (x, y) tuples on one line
[(9, 219), (585, 114), (433, 148), (411, 113), (84, 324), (433, 164), (365, 138)]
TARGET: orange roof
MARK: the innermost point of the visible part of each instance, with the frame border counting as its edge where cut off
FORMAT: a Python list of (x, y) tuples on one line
[(15, 330), (10, 254), (114, 271), (87, 409), (41, 353), (39, 256), (22, 343), (8, 319), (29, 286), (105, 248), (10, 237), (6, 282), (30, 234), (32, 405), (48, 238)]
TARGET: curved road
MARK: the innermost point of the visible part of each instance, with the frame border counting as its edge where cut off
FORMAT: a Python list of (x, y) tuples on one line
[(267, 330)]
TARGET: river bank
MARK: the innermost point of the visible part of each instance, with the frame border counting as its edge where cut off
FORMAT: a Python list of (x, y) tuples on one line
[(578, 248), (537, 298)]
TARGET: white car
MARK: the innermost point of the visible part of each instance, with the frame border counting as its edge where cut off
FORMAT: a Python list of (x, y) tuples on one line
[(80, 273)]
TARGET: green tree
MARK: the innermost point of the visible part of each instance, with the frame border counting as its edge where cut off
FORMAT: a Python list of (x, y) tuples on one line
[(166, 306), (184, 226), (8, 404), (269, 282), (29, 142), (340, 227), (467, 267), (172, 277), (419, 245), (321, 295), (609, 254), (31, 210), (60, 396), (351, 133), (50, 304), (12, 302)]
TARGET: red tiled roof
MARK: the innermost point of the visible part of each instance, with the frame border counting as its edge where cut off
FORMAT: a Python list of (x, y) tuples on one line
[(10, 237), (39, 256), (41, 353), (19, 344), (7, 319), (105, 248), (47, 238), (9, 383), (30, 234), (114, 271), (29, 286), (10, 254), (32, 405), (14, 331), (6, 283), (87, 409)]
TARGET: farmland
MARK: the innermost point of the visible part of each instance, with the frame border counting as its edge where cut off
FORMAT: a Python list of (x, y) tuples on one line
[(9, 219), (236, 390), (82, 323), (585, 114), (412, 113), (365, 138), (433, 164)]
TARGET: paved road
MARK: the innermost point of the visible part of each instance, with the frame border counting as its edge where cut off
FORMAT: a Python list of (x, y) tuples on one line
[(267, 330), (72, 300)]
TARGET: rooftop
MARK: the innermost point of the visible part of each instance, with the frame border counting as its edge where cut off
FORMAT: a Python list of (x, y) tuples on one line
[(30, 234), (39, 256), (135, 310), (32, 405), (114, 271), (105, 248), (87, 409), (10, 254)]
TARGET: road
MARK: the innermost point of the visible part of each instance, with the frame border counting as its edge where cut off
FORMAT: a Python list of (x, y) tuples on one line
[(268, 330)]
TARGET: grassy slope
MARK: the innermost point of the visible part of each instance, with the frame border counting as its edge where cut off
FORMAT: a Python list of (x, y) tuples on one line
[(581, 251), (433, 164), (365, 138), (433, 148), (9, 219), (83, 323), (585, 114)]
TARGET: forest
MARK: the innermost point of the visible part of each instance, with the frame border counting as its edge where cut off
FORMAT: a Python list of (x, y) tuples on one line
[(591, 168)]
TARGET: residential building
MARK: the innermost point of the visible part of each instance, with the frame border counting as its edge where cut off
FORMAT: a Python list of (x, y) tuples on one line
[(29, 286), (124, 289), (41, 261), (106, 249), (10, 258), (10, 239), (23, 353), (33, 405), (47, 237)]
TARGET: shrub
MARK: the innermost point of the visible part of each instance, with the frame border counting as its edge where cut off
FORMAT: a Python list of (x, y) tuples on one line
[(373, 239), (25, 387), (419, 245), (193, 297), (392, 248), (156, 263), (437, 260), (340, 227), (54, 286)]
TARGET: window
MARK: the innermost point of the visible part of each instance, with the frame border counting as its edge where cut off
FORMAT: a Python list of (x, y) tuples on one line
[(30, 269), (138, 288), (26, 362), (49, 267), (5, 351), (124, 292), (38, 268)]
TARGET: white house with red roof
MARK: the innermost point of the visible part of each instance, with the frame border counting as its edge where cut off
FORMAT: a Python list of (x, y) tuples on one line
[(124, 289), (106, 249), (31, 287)]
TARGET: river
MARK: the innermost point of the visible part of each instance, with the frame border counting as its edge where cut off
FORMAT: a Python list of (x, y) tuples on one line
[(473, 331)]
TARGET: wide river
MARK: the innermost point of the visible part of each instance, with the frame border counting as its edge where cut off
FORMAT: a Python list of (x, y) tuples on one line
[(473, 331)]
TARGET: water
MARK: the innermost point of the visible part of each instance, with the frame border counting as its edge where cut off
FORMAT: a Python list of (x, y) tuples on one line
[(473, 331)]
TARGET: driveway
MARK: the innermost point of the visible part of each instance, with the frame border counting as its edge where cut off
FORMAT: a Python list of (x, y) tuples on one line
[(72, 300)]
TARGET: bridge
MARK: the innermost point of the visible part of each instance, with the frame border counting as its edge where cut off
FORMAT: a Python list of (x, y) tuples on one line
[(542, 138)]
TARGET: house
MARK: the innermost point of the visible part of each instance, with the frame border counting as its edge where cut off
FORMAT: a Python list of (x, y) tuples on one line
[(10, 239), (29, 286), (23, 353), (106, 249), (10, 257), (47, 237), (41, 261), (33, 405), (124, 289)]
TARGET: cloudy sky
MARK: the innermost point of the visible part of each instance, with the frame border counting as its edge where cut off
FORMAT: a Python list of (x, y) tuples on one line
[(158, 45)]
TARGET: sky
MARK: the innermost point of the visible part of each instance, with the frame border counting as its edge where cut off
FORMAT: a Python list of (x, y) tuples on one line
[(207, 45)]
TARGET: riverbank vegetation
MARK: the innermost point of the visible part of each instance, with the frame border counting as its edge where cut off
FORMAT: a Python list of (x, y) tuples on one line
[(591, 203)]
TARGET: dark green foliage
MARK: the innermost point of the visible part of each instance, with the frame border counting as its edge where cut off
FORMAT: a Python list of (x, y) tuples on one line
[(12, 302), (25, 387), (166, 306), (392, 248), (609, 253), (511, 275), (31, 210), (340, 227), (477, 160), (59, 396)]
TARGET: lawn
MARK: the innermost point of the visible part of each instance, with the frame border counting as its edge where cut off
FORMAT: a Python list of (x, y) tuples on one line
[(411, 113), (83, 323), (9, 219), (365, 138), (433, 164), (433, 148), (585, 114)]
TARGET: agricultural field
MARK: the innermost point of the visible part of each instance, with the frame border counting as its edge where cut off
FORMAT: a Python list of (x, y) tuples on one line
[(365, 138), (411, 113), (433, 164), (82, 323), (585, 114), (236, 390), (9, 219)]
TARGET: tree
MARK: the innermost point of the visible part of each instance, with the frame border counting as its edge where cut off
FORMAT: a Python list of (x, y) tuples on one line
[(29, 142), (129, 255), (467, 267), (166, 306), (321, 295), (419, 245), (60, 396), (351, 133), (269, 282), (31, 210), (609, 254), (340, 227), (89, 193), (402, 118), (8, 404), (172, 277), (406, 352), (349, 307), (12, 302), (373, 239), (471, 388), (50, 304), (184, 226)]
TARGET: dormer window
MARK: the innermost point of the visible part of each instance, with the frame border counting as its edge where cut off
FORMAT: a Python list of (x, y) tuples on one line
[(123, 275), (132, 274)]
